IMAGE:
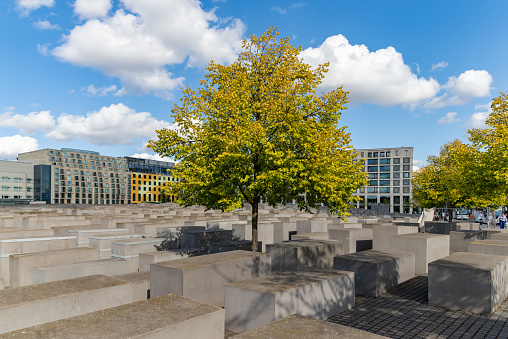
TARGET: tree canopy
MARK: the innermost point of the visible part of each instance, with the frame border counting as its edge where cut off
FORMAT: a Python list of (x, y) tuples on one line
[(473, 175), (256, 131)]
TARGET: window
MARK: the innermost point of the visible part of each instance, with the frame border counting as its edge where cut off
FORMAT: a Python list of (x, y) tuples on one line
[(362, 154), (372, 190), (396, 183), (369, 154), (396, 175), (372, 182), (406, 175), (384, 190), (406, 160), (28, 181), (373, 176), (384, 168), (384, 161), (56, 170), (17, 179), (384, 175), (396, 153), (396, 160), (382, 154), (396, 167), (371, 168), (384, 183), (375, 154), (388, 154), (396, 190), (405, 182), (372, 162), (5, 188), (5, 179), (405, 168), (405, 189), (17, 188), (406, 152)]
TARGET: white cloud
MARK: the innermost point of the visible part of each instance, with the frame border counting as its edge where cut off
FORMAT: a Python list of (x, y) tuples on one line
[(379, 77), (43, 49), (92, 91), (24, 7), (151, 157), (439, 66), (137, 44), (485, 107), (116, 124), (462, 89), (45, 25), (477, 120), (279, 10), (298, 4), (417, 164), (449, 118), (30, 123), (92, 9), (10, 147)]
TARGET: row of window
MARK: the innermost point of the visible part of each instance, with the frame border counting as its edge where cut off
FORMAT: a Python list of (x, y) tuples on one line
[(16, 188), (396, 168), (16, 179), (387, 161), (405, 182), (89, 157), (405, 189), (383, 154), (15, 197)]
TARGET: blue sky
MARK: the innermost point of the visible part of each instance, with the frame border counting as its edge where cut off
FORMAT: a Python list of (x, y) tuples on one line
[(103, 75)]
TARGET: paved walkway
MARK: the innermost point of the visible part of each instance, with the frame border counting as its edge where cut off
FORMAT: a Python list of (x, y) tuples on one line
[(405, 313)]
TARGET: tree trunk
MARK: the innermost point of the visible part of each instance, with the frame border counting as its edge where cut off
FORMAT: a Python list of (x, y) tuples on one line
[(255, 209)]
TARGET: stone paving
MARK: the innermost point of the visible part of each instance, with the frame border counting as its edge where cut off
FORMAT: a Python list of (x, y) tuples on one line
[(405, 313)]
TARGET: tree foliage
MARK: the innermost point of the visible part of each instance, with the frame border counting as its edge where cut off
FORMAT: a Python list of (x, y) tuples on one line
[(473, 175), (256, 131)]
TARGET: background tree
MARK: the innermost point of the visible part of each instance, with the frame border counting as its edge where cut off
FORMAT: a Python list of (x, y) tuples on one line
[(256, 131)]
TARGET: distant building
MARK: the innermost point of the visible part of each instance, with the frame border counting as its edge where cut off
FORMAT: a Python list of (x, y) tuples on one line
[(17, 182), (73, 176), (390, 172)]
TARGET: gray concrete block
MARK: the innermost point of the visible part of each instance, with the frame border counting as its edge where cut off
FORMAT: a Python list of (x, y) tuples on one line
[(383, 233), (427, 247), (202, 278), (460, 240), (299, 326), (351, 238), (297, 254), (203, 239), (169, 316), (376, 272), (495, 247), (469, 282), (318, 293)]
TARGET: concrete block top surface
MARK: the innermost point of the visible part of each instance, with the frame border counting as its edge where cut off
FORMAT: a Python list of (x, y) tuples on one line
[(127, 321), (134, 241), (468, 231), (27, 294), (287, 280), (477, 261), (303, 243), (297, 326), (491, 242), (422, 235), (54, 252), (134, 277), (376, 256), (209, 259), (120, 236)]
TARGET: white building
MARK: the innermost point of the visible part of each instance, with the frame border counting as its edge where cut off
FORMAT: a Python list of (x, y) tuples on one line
[(16, 181), (390, 172)]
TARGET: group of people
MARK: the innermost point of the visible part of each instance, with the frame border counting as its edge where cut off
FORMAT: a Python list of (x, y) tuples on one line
[(490, 219)]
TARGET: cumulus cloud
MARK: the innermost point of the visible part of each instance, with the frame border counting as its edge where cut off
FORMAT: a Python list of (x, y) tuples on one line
[(45, 25), (379, 77), (279, 10), (10, 147), (151, 157), (92, 9), (43, 49), (439, 66), (462, 89), (449, 118), (138, 43), (417, 164), (93, 91), (30, 123), (24, 7), (116, 124), (477, 120)]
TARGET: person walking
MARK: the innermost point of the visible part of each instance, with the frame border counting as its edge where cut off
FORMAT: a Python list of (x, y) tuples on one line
[(502, 220), (490, 219)]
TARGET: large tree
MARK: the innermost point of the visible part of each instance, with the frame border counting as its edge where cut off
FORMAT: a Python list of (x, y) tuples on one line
[(256, 131)]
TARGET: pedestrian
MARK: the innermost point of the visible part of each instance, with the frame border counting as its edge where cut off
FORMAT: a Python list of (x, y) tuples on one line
[(490, 219), (480, 217), (502, 220)]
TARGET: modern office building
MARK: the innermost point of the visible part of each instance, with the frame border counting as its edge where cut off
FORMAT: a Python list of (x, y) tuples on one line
[(87, 177), (17, 182), (390, 172)]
